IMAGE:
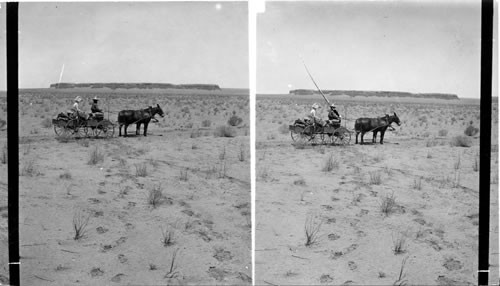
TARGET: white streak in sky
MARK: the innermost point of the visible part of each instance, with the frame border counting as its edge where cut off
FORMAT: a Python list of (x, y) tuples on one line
[(61, 75)]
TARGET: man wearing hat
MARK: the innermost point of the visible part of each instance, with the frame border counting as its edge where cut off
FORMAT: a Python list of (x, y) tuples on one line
[(312, 114), (333, 115), (95, 107)]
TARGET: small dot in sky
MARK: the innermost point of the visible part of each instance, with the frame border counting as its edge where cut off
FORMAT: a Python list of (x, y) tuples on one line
[(218, 6), (290, 86)]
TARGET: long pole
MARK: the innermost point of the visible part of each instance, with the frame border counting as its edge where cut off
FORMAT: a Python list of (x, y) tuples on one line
[(319, 89), (13, 140), (485, 140)]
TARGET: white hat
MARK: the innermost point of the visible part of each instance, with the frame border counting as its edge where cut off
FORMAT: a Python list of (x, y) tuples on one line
[(333, 105), (315, 106), (78, 99), (95, 98)]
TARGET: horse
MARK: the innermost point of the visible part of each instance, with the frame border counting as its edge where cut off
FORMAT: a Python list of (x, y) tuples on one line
[(375, 125), (142, 116)]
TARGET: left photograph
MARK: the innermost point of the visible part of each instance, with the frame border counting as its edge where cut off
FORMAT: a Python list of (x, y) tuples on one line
[(134, 143)]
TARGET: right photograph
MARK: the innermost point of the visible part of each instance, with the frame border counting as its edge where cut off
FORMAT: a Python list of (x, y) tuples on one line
[(367, 144)]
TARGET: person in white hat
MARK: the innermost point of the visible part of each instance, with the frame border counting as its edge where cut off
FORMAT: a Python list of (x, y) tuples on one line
[(76, 109), (312, 114)]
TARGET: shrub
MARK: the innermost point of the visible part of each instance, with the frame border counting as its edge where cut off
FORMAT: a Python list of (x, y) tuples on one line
[(234, 120), (330, 164), (461, 141), (168, 237), (195, 133), (66, 175), (224, 131), (29, 168), (206, 123), (443, 132), (399, 244), (471, 130)]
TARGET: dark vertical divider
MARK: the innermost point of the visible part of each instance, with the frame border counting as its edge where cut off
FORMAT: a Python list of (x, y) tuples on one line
[(485, 139), (13, 140)]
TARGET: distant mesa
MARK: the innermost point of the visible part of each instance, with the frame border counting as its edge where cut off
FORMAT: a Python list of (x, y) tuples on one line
[(113, 86), (354, 93)]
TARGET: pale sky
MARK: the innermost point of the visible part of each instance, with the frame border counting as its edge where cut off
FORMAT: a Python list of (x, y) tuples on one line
[(176, 42), (414, 46)]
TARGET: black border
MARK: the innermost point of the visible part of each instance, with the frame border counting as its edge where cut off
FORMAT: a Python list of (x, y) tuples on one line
[(485, 140), (13, 140)]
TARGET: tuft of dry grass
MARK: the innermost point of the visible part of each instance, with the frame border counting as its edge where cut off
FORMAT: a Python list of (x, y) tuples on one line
[(375, 178), (168, 237), (417, 183), (388, 204), (172, 270), (80, 222), (155, 196), (29, 168), (443, 132), (311, 229), (234, 120), (95, 156), (65, 176), (241, 154), (184, 175), (401, 281), (141, 170), (471, 130), (330, 164), (399, 244)]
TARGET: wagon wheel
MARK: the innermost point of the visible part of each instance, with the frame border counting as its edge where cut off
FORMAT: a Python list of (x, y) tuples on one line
[(342, 136), (60, 129), (311, 136), (104, 129), (75, 129), (329, 138), (295, 135)]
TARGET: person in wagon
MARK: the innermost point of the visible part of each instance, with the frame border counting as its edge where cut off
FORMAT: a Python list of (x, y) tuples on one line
[(333, 115), (96, 111), (76, 109), (312, 114)]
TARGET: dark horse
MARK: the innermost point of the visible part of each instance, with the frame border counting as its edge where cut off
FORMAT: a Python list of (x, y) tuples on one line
[(375, 125), (127, 117)]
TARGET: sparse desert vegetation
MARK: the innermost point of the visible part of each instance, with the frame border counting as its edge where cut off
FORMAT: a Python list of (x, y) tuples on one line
[(90, 204), (391, 214)]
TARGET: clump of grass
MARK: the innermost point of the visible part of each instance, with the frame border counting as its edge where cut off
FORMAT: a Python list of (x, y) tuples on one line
[(461, 141), (65, 176), (330, 164), (431, 143), (241, 154), (399, 244), (234, 120), (375, 178), (388, 204), (222, 154), (4, 154), (311, 229), (155, 196), (443, 132), (195, 133), (80, 222), (417, 183), (206, 123), (172, 272), (95, 156), (457, 163), (141, 170), (471, 130), (29, 168), (184, 175), (475, 165), (299, 182), (168, 237), (224, 131)]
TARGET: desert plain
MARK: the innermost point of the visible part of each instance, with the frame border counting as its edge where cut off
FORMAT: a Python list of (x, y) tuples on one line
[(401, 213), (170, 208)]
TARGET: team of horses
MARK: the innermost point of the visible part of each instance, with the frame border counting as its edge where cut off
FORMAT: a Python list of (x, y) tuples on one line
[(375, 125), (138, 117)]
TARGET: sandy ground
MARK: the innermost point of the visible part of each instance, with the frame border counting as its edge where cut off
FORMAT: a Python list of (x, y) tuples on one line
[(434, 186), (204, 204)]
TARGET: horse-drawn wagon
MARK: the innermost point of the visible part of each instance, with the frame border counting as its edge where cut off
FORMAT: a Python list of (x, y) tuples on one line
[(71, 125), (314, 133)]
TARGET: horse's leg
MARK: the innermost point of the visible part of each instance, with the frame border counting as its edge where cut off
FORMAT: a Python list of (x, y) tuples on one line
[(137, 128), (374, 136), (120, 130), (362, 135), (146, 128), (382, 137), (357, 133), (125, 130)]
